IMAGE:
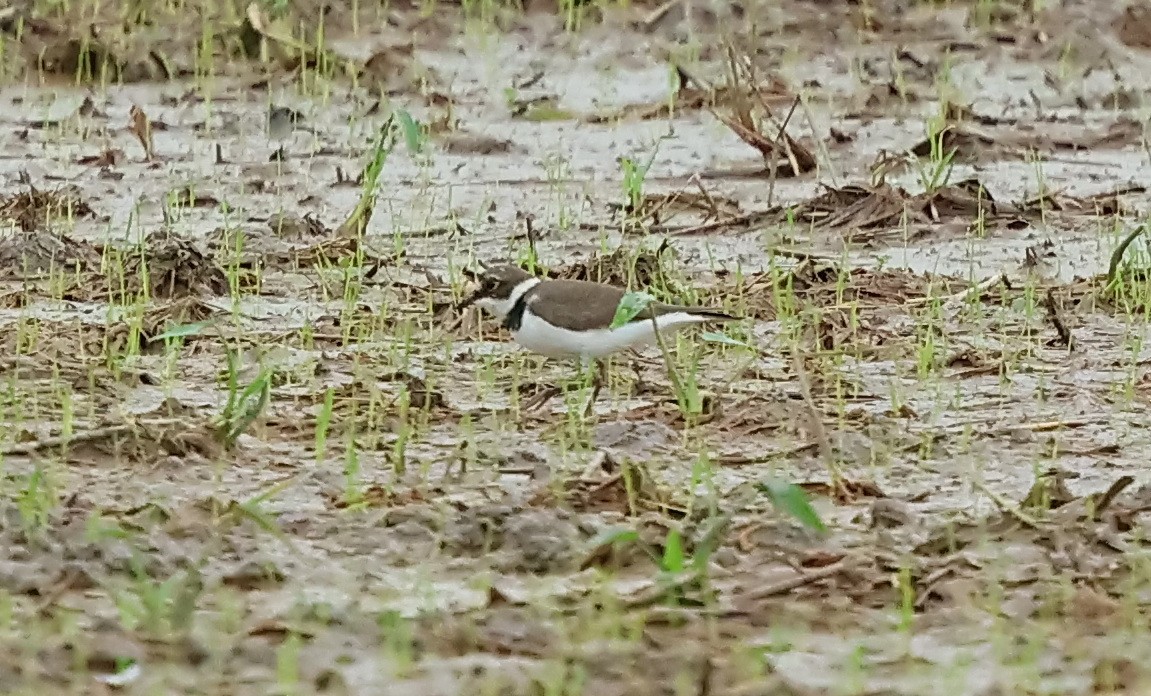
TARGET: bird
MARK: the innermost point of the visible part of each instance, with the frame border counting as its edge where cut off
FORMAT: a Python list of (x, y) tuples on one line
[(283, 121), (567, 319)]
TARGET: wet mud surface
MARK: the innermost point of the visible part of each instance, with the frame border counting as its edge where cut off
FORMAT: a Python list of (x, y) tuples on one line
[(253, 448)]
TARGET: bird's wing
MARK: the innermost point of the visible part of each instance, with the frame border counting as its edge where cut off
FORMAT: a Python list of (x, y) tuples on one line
[(581, 303), (575, 303)]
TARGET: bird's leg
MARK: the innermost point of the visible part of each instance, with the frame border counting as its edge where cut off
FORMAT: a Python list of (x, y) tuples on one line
[(549, 392), (599, 379)]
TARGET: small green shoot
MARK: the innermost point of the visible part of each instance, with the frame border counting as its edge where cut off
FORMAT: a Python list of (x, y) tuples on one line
[(630, 306), (634, 176), (245, 405), (792, 500), (323, 422), (936, 172), (674, 557), (357, 222), (183, 331), (36, 500), (415, 135), (615, 536)]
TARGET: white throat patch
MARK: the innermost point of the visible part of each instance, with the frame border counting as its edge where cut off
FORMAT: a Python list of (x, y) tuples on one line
[(501, 307)]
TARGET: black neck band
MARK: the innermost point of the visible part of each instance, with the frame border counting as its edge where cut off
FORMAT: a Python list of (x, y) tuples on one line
[(515, 318)]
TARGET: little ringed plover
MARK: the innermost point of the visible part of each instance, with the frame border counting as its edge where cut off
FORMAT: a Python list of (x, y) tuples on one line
[(572, 318)]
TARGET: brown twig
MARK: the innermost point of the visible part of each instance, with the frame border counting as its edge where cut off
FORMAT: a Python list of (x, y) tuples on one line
[(785, 586), (1065, 336), (714, 209), (530, 230), (64, 440), (1117, 255), (1005, 506), (775, 161), (747, 219), (962, 296), (1111, 493), (743, 85), (744, 460), (819, 433), (798, 156), (655, 16), (659, 590)]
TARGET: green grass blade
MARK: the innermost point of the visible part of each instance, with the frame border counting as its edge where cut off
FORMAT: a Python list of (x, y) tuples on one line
[(413, 132), (674, 559), (792, 499), (183, 330), (629, 307)]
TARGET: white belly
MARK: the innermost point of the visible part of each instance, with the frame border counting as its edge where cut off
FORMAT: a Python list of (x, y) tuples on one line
[(538, 336)]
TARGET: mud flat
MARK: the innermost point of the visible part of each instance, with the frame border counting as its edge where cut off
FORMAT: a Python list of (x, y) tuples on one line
[(253, 448)]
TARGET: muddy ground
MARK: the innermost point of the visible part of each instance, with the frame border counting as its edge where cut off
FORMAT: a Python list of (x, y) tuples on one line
[(946, 353)]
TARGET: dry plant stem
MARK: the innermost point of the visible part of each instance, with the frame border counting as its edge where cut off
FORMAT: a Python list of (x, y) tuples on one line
[(1005, 505), (1105, 500), (1061, 328), (653, 17), (141, 127), (530, 229), (782, 136), (743, 460), (714, 209), (64, 440), (785, 586), (654, 214), (790, 145), (744, 124), (659, 590), (1045, 426), (799, 255), (748, 220), (1117, 255), (672, 375), (819, 433), (820, 144), (963, 296), (538, 400), (775, 161)]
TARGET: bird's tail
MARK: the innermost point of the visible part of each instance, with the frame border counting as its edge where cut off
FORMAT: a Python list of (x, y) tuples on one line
[(711, 314)]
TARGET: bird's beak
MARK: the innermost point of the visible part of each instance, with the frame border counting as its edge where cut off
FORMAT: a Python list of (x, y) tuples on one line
[(474, 288), (468, 301)]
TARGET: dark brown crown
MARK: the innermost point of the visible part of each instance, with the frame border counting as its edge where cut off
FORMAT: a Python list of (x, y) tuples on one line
[(495, 281)]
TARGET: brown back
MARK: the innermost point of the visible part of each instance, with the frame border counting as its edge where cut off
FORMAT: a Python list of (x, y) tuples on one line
[(581, 304)]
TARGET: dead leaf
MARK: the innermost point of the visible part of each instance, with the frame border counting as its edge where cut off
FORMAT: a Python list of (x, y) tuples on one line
[(140, 127), (108, 158)]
